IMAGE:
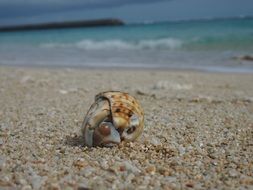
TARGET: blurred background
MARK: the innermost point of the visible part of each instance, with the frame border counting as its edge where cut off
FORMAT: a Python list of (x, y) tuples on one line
[(212, 35)]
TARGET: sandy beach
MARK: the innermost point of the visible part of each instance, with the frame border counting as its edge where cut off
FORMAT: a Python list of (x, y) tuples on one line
[(198, 130)]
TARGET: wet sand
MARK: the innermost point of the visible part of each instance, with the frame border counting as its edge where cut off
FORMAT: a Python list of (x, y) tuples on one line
[(198, 130)]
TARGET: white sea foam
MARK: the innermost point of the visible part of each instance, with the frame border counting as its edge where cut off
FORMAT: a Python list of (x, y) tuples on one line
[(166, 43), (107, 44)]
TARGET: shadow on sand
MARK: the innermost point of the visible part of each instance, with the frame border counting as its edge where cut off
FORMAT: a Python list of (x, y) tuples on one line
[(76, 140)]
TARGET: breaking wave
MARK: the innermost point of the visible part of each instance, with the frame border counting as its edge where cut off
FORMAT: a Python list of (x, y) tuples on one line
[(166, 43)]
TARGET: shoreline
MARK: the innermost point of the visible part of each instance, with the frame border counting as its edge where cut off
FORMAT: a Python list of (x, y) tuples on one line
[(221, 70)]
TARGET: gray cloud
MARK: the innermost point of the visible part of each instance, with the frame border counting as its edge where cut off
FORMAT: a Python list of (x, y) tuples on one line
[(23, 8)]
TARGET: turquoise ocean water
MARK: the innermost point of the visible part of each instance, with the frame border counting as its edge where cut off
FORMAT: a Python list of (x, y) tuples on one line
[(207, 44)]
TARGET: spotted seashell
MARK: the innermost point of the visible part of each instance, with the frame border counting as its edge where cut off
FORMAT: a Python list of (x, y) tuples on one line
[(112, 118)]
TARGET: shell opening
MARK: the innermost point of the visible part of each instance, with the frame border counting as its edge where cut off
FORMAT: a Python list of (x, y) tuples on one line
[(131, 129), (107, 135)]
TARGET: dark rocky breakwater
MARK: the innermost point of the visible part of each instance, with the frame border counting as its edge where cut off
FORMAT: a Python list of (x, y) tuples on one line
[(60, 25)]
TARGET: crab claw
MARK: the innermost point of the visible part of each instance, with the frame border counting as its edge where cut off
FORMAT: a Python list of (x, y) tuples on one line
[(106, 135)]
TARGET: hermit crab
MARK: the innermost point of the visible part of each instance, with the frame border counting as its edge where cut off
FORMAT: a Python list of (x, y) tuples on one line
[(112, 118)]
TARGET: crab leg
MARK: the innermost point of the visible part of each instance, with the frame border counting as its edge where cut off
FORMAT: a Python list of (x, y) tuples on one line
[(96, 114)]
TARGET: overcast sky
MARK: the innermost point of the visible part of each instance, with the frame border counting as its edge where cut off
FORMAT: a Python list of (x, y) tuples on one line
[(37, 11)]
